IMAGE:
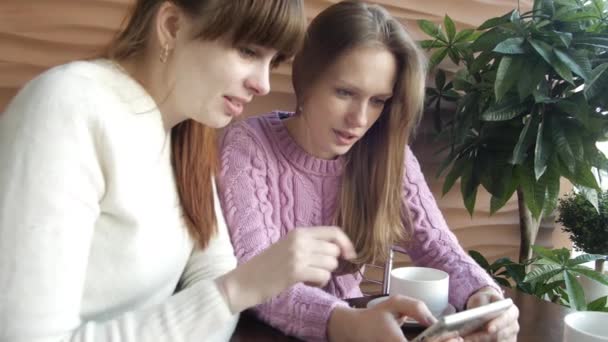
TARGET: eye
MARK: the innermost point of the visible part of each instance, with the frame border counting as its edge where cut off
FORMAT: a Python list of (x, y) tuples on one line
[(379, 101), (248, 52), (341, 92), (277, 61)]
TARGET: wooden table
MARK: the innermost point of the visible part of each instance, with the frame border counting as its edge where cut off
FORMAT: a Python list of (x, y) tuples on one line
[(539, 321)]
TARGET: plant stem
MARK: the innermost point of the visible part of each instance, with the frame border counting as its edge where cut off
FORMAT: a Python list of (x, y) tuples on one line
[(528, 227), (599, 265)]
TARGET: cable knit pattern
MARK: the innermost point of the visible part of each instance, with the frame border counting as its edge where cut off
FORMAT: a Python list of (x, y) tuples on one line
[(269, 185)]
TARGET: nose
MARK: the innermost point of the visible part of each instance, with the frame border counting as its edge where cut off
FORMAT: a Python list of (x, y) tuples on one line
[(358, 115), (259, 80)]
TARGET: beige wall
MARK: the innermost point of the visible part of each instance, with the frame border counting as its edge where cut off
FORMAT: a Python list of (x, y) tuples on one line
[(37, 34)]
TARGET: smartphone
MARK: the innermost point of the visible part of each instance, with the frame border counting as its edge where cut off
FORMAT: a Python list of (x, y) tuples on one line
[(465, 322)]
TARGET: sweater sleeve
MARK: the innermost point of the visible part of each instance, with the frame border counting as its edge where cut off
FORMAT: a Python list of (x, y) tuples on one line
[(51, 182), (301, 311), (433, 244)]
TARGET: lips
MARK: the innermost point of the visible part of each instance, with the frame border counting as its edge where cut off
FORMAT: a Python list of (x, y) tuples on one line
[(344, 137), (234, 105)]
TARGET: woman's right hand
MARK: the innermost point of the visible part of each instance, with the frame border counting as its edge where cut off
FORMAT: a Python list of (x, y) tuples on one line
[(307, 255), (381, 322)]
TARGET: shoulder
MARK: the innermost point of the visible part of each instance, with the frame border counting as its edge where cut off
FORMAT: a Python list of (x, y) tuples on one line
[(250, 134), (69, 91)]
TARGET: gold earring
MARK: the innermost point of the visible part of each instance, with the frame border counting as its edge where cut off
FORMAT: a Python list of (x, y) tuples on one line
[(164, 53)]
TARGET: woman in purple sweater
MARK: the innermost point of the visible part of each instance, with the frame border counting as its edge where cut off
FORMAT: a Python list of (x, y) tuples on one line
[(343, 159)]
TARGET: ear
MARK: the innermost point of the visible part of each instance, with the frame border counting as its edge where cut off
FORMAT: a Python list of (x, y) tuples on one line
[(167, 24)]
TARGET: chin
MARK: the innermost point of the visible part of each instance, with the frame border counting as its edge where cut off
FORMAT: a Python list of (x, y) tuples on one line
[(216, 120)]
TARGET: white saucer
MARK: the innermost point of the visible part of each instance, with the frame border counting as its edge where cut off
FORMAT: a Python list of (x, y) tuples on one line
[(410, 322)]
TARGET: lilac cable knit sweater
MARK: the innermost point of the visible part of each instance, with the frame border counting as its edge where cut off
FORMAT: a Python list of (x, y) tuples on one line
[(269, 185)]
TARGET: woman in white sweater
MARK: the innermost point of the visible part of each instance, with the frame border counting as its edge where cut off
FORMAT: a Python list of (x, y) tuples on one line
[(110, 228)]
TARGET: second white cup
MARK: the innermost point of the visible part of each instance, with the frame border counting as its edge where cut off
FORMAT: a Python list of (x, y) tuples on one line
[(432, 286), (586, 326)]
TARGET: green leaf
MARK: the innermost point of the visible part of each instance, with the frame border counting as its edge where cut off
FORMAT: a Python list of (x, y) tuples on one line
[(511, 46), (546, 51), (505, 111), (598, 304), (481, 61), (527, 183), (468, 187), (542, 273), (584, 258), (432, 30), (543, 150), (489, 39), (526, 138), (463, 35), (591, 195), (453, 175), (502, 282), (490, 23), (506, 76), (547, 254), (575, 292), (598, 82), (577, 64), (599, 42), (440, 79), (562, 146), (437, 57), (431, 44), (576, 17), (454, 56), (543, 49), (592, 274), (600, 6), (450, 28), (479, 259), (546, 6), (531, 75), (551, 179), (584, 177)]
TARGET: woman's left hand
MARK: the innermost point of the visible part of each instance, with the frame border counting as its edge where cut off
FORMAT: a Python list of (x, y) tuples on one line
[(503, 328)]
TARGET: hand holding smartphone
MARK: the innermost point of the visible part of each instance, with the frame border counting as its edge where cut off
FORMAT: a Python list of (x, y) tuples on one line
[(465, 322)]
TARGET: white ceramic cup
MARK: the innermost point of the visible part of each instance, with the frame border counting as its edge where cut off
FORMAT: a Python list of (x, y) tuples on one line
[(432, 286), (586, 326)]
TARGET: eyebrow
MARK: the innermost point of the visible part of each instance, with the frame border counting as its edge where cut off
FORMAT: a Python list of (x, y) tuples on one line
[(350, 85)]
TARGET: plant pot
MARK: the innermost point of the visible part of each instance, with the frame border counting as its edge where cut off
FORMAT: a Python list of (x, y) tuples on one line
[(593, 289)]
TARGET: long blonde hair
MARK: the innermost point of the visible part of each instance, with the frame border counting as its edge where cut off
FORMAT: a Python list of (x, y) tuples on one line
[(279, 24), (370, 209)]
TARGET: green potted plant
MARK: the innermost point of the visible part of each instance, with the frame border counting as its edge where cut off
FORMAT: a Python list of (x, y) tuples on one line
[(554, 275), (531, 105), (588, 230)]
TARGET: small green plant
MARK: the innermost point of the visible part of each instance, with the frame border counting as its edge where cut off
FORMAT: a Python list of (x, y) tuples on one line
[(553, 276), (587, 226)]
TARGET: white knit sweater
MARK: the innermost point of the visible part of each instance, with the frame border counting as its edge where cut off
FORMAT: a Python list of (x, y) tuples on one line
[(92, 244)]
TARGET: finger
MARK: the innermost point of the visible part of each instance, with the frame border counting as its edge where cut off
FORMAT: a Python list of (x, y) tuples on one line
[(312, 276), (324, 262), (479, 337), (406, 306), (325, 248), (337, 236), (451, 336), (504, 320), (478, 299)]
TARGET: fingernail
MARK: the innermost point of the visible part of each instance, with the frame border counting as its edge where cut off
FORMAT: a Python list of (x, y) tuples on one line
[(492, 329)]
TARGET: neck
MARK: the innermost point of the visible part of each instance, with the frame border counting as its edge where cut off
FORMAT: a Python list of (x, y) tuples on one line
[(153, 76), (299, 129)]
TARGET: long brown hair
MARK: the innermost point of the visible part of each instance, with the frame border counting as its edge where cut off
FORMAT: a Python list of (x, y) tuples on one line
[(279, 24), (370, 209)]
